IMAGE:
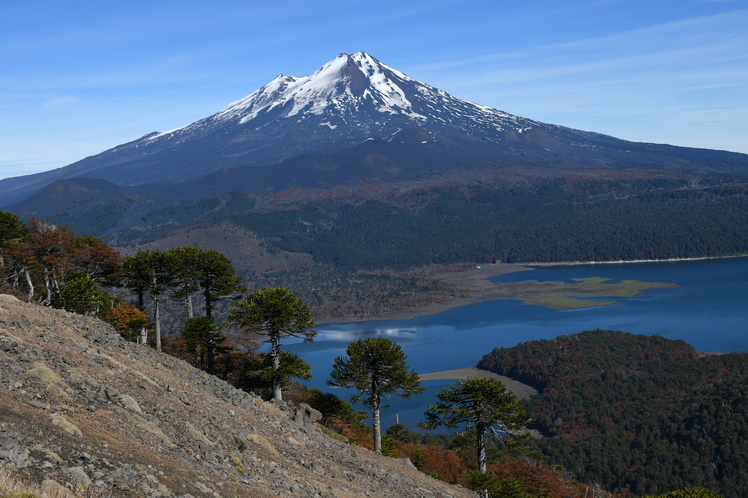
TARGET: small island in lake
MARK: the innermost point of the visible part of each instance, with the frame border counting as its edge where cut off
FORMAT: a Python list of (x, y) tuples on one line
[(563, 296), (474, 286)]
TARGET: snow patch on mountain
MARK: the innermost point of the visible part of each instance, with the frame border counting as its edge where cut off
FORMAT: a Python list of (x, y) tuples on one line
[(346, 82)]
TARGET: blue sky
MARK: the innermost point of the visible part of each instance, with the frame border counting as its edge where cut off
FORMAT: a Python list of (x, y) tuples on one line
[(77, 78)]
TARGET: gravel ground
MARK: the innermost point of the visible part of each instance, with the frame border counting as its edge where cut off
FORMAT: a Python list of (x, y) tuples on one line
[(83, 408)]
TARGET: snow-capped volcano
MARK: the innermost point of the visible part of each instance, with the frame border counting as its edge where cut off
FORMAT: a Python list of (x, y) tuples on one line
[(362, 119), (356, 91), (347, 83)]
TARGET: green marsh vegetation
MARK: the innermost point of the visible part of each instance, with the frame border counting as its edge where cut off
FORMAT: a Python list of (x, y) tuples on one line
[(563, 296)]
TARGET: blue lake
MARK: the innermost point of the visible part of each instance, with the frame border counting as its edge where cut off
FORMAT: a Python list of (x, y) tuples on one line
[(709, 310)]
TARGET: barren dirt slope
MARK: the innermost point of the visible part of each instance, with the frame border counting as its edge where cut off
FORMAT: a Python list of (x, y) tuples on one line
[(82, 407)]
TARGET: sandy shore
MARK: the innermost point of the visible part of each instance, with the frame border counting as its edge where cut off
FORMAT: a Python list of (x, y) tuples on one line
[(522, 391)]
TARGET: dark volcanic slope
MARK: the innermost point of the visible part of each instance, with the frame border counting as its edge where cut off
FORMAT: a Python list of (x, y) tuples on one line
[(347, 101)]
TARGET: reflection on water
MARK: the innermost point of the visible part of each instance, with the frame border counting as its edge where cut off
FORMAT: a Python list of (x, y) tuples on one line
[(709, 310), (326, 333)]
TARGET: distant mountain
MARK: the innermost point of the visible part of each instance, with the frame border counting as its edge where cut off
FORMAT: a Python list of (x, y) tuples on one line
[(66, 192), (356, 118)]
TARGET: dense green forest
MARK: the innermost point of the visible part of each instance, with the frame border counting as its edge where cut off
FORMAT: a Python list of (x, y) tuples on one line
[(548, 222), (636, 414), (92, 217)]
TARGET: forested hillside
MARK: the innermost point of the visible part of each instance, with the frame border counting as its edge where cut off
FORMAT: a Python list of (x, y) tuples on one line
[(634, 413), (355, 249), (549, 221)]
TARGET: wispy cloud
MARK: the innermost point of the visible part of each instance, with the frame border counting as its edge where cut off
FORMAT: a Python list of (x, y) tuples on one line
[(63, 100), (683, 82)]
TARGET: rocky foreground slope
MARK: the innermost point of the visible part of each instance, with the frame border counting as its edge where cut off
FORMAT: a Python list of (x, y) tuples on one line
[(83, 409)]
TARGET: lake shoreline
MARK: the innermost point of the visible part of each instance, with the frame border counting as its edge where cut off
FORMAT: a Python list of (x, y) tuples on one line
[(626, 261), (521, 390), (474, 282)]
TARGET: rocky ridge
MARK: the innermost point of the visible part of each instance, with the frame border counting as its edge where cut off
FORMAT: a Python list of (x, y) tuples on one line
[(83, 409)]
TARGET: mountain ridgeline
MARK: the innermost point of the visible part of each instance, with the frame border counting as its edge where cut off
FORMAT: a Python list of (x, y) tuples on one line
[(353, 119)]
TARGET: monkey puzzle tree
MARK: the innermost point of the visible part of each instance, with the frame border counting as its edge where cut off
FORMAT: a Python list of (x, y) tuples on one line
[(149, 272), (486, 406), (203, 338), (217, 279), (81, 295), (185, 264), (256, 374), (12, 229), (275, 313), (375, 366)]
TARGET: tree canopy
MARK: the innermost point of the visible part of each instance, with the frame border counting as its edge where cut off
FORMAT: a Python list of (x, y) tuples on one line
[(275, 313), (149, 272), (485, 406), (375, 367), (217, 279), (637, 414)]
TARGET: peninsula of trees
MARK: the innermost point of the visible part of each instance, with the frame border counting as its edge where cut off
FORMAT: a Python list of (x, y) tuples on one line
[(636, 414)]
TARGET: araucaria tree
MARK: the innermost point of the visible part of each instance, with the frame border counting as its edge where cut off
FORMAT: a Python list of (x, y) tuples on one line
[(485, 406), (203, 338), (149, 272), (218, 280), (375, 367), (275, 313)]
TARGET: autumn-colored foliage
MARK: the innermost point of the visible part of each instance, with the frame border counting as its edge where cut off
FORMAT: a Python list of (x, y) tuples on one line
[(42, 258), (127, 319), (637, 414), (96, 259), (536, 477)]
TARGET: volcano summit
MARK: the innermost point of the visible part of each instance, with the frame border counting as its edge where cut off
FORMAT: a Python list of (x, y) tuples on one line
[(357, 118)]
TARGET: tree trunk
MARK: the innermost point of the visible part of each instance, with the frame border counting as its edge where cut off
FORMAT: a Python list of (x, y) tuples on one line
[(157, 320), (377, 429), (211, 361), (481, 440), (208, 304), (141, 300), (48, 284), (375, 420), (29, 283), (275, 356), (188, 301), (143, 338)]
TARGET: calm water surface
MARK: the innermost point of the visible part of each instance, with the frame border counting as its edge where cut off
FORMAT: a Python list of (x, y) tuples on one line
[(709, 310)]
